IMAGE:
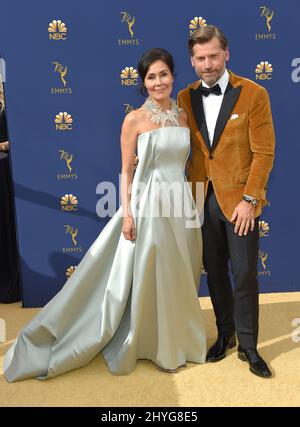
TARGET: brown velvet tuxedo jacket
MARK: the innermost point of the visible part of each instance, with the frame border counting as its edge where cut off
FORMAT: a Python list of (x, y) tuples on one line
[(241, 156)]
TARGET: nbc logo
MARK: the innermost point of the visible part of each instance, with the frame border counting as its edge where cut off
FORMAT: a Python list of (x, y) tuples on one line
[(264, 71), (63, 121), (129, 77), (196, 23), (69, 203), (57, 30), (70, 271), (264, 229)]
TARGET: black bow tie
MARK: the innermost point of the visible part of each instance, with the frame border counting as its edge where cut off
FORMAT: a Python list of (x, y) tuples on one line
[(207, 90)]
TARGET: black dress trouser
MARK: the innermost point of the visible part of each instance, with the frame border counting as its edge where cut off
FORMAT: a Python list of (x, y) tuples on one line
[(236, 309)]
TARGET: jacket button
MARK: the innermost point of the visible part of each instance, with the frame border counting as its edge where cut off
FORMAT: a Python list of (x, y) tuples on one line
[(211, 156)]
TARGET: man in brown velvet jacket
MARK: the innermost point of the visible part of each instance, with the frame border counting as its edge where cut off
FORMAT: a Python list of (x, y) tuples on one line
[(232, 153)]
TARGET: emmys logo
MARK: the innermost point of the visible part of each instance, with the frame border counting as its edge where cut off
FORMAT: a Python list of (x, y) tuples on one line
[(268, 15), (63, 121), (129, 77), (264, 71), (263, 256), (70, 271), (67, 158), (296, 72), (69, 203), (57, 30), (62, 71), (128, 108), (129, 21), (196, 23), (72, 232), (263, 229)]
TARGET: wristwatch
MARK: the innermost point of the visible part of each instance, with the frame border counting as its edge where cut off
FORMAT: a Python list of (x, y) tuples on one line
[(251, 200)]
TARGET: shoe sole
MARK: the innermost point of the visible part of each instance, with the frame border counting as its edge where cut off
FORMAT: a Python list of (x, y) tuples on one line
[(244, 359)]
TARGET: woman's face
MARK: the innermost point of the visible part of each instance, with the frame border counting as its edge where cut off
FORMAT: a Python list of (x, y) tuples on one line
[(159, 81)]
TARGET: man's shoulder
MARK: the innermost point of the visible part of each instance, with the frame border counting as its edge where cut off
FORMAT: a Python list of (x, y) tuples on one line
[(185, 92), (246, 83)]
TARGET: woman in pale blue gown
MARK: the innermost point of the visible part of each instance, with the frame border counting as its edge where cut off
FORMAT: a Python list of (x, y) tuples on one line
[(134, 295)]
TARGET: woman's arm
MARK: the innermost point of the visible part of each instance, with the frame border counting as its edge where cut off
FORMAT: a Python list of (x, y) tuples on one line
[(129, 135)]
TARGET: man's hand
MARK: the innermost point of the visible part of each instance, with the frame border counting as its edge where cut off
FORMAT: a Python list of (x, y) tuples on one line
[(244, 218)]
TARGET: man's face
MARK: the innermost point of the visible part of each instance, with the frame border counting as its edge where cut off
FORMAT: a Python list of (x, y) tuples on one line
[(209, 61)]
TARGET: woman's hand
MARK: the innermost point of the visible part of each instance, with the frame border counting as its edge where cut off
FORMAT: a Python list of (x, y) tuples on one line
[(128, 228)]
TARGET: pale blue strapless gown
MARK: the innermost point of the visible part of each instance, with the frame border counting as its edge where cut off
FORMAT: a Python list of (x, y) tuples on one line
[(127, 300)]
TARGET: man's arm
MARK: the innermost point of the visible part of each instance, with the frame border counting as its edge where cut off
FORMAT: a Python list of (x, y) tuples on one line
[(262, 144)]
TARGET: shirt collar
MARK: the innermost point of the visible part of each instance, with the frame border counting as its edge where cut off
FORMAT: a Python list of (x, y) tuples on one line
[(222, 82)]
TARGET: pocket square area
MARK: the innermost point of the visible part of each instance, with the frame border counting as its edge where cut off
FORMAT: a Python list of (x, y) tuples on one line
[(234, 116)]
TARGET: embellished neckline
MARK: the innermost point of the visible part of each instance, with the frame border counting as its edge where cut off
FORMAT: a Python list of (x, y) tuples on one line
[(158, 116)]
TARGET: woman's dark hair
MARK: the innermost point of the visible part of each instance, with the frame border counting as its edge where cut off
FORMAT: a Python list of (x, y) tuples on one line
[(148, 58)]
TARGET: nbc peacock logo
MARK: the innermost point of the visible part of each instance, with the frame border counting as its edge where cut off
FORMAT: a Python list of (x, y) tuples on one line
[(264, 71), (129, 76), (69, 203), (196, 23), (264, 229), (63, 121), (70, 271), (57, 30)]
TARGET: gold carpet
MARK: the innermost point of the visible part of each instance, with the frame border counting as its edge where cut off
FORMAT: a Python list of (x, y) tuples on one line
[(226, 383)]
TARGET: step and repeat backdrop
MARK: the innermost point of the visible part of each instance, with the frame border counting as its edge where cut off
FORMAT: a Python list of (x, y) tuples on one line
[(70, 80)]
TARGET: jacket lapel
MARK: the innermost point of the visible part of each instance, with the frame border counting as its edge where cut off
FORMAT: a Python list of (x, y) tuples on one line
[(230, 97), (198, 111)]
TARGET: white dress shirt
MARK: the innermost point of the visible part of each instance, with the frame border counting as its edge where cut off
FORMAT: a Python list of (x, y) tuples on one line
[(212, 104)]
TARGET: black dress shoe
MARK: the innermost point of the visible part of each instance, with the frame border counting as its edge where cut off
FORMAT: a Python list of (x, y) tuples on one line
[(218, 350), (257, 365)]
